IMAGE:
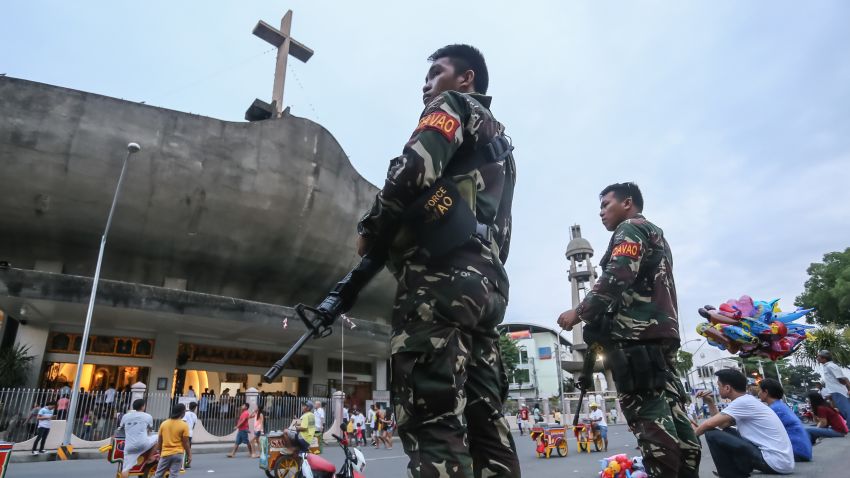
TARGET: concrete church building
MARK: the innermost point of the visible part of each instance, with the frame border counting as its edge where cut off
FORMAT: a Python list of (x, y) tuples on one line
[(220, 228)]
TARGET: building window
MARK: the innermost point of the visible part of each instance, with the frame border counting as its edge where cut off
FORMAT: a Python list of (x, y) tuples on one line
[(60, 342), (235, 356), (523, 355), (522, 376), (705, 371)]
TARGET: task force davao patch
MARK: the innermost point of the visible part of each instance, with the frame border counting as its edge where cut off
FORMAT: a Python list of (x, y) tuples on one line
[(627, 249), (441, 122)]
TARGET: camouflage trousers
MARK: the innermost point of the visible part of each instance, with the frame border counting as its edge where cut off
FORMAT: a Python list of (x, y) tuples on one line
[(669, 446), (448, 382)]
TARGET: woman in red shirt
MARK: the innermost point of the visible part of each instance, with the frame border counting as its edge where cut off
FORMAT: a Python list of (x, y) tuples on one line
[(829, 424)]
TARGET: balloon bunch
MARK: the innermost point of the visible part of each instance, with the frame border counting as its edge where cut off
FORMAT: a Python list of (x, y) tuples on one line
[(620, 466), (749, 328)]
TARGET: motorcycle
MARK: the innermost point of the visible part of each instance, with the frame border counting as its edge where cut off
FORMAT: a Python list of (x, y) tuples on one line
[(280, 457)]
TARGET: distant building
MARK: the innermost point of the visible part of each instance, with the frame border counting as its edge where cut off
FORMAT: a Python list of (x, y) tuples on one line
[(537, 370)]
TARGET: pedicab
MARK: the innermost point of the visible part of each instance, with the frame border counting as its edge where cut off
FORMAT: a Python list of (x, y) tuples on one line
[(548, 438), (586, 433), (145, 466), (280, 450), (279, 455)]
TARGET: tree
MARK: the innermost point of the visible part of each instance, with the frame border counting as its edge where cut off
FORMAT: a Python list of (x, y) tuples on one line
[(510, 354), (826, 338), (15, 363), (684, 362), (797, 379), (828, 289)]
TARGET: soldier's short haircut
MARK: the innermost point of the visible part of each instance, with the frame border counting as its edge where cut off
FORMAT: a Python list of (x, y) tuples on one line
[(463, 58), (772, 387), (733, 378), (138, 404), (622, 191)]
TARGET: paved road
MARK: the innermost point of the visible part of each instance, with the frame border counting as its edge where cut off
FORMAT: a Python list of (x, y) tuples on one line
[(830, 455)]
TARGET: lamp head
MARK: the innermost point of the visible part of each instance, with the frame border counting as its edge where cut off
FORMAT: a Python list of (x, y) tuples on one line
[(134, 147)]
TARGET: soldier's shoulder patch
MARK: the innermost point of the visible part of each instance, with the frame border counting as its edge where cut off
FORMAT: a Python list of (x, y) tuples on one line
[(627, 249), (441, 122)]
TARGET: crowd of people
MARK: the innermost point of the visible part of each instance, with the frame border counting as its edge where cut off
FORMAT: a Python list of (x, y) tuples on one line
[(762, 432)]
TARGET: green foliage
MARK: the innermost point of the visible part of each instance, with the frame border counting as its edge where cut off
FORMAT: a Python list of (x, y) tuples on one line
[(826, 338), (510, 354), (15, 363), (828, 289), (684, 362), (797, 379)]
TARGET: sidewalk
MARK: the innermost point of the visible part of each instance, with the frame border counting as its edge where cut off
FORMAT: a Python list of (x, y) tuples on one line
[(19, 456), (831, 457)]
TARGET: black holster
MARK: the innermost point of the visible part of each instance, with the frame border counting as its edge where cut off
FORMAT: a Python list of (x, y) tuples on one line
[(638, 368)]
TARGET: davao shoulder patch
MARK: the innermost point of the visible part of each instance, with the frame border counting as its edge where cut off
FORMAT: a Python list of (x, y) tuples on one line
[(440, 121), (628, 249)]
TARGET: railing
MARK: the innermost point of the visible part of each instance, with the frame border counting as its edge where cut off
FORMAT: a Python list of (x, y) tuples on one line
[(99, 413)]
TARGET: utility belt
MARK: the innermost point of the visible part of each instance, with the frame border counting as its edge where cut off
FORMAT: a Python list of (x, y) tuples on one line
[(637, 368)]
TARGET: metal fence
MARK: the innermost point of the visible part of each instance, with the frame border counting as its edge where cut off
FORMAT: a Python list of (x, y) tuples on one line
[(99, 413)]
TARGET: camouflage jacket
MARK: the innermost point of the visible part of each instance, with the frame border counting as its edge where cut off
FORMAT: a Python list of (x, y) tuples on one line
[(446, 143), (636, 287)]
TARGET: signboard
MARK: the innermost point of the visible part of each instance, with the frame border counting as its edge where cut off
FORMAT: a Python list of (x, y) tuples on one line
[(522, 334), (381, 395), (545, 353)]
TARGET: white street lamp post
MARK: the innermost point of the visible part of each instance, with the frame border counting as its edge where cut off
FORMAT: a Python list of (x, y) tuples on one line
[(75, 391)]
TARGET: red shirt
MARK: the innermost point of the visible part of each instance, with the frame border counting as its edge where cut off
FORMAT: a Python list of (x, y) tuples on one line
[(62, 404), (242, 424), (832, 418), (523, 414)]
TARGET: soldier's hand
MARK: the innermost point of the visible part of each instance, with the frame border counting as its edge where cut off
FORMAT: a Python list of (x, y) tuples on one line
[(363, 245), (567, 320)]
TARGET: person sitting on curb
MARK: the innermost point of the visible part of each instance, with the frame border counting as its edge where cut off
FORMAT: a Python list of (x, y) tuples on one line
[(771, 393), (828, 422), (760, 441)]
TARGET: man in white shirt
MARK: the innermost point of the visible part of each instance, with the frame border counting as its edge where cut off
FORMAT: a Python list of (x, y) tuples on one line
[(760, 441), (598, 418), (319, 413), (359, 427), (136, 425), (191, 419), (191, 392), (836, 385), (109, 395), (373, 424)]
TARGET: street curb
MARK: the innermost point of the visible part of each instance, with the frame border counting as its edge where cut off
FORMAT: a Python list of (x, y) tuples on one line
[(92, 453)]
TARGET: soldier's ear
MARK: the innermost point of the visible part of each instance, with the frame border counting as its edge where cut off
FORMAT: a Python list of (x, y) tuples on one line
[(466, 81)]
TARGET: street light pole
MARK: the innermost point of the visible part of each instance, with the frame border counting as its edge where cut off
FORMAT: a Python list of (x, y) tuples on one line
[(75, 391)]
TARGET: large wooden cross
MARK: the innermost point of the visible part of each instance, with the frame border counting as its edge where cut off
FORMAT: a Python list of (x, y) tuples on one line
[(285, 46)]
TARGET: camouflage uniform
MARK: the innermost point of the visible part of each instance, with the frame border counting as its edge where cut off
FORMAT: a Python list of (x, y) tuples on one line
[(448, 382), (637, 283)]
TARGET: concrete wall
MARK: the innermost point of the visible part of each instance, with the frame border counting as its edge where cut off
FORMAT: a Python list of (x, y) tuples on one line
[(263, 211), (35, 338)]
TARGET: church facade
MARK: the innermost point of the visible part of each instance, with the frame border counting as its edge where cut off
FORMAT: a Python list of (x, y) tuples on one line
[(220, 228)]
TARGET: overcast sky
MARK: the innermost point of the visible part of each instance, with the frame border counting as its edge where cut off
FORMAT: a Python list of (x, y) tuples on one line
[(733, 117)]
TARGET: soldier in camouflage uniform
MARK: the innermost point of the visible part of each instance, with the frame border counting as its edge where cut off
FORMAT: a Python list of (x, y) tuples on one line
[(448, 382), (636, 294)]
